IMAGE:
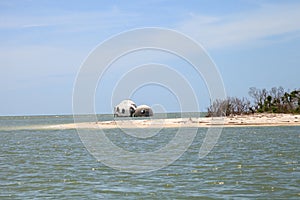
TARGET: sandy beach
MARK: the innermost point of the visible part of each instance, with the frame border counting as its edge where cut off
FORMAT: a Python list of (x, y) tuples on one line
[(232, 121)]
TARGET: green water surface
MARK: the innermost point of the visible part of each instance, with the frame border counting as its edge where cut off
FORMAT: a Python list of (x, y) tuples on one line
[(247, 163)]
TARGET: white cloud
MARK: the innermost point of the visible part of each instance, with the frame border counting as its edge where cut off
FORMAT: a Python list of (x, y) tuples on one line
[(243, 28)]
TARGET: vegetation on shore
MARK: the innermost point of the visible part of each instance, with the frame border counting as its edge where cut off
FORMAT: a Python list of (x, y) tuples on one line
[(275, 100)]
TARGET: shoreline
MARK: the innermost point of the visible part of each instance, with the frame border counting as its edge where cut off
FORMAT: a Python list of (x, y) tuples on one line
[(252, 120)]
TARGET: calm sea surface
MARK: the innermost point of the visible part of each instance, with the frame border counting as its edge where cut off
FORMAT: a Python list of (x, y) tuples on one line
[(247, 163)]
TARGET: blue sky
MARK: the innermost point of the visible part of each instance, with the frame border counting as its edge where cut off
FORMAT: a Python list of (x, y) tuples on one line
[(44, 43)]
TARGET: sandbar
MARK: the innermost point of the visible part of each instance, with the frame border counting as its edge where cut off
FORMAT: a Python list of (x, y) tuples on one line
[(263, 119)]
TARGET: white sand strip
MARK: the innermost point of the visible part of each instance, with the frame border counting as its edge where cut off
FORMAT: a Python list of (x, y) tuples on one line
[(234, 121)]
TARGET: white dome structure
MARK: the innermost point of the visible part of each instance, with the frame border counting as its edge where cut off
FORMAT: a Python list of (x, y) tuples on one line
[(143, 111), (125, 109)]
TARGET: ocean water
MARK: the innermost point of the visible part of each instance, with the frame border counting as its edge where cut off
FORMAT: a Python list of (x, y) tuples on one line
[(246, 163)]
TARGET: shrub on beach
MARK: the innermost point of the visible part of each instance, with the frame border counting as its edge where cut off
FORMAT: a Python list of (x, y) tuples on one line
[(229, 106), (276, 100)]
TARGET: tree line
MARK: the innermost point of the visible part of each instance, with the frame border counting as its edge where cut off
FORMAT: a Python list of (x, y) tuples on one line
[(275, 100)]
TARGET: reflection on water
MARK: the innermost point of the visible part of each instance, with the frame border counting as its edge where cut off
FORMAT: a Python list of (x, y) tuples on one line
[(260, 162)]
